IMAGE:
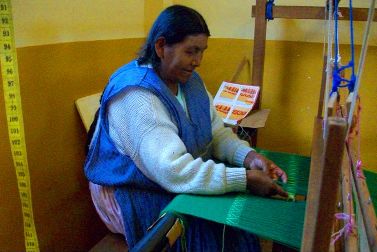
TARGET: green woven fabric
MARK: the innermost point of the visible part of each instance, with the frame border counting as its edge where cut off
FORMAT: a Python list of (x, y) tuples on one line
[(372, 186), (278, 220), (296, 167)]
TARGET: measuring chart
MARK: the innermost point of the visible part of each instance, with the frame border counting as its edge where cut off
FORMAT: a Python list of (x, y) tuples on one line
[(13, 108)]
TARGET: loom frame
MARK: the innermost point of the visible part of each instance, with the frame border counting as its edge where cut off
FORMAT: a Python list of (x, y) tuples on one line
[(316, 237)]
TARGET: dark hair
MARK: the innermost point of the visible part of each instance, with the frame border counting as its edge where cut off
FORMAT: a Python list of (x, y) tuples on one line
[(174, 24)]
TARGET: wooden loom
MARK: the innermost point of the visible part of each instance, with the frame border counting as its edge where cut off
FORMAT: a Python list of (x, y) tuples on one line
[(329, 162)]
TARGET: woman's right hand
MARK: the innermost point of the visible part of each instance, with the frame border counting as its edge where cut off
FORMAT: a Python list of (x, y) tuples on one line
[(259, 183)]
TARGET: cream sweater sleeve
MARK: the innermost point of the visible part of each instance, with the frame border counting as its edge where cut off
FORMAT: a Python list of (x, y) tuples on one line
[(142, 128), (226, 145)]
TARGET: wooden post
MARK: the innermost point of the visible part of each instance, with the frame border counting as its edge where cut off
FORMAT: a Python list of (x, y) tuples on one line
[(333, 105), (366, 207), (323, 190), (259, 46), (257, 71), (314, 183), (348, 102), (350, 242), (323, 87)]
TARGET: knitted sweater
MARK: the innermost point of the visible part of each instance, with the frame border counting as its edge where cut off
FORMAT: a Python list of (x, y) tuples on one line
[(166, 161)]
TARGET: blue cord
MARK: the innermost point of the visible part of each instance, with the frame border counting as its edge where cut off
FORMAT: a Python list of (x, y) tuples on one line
[(269, 6), (337, 79)]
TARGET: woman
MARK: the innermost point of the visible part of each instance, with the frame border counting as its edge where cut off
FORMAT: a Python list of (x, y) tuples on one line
[(155, 136)]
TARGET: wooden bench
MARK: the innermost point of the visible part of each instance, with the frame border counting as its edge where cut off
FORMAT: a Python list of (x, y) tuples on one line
[(110, 243)]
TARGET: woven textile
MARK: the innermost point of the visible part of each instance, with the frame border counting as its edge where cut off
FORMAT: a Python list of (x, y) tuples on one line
[(278, 220)]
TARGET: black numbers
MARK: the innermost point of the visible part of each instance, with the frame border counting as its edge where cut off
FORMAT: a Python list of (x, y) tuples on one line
[(10, 83), (7, 46), (3, 7), (14, 131), (13, 119), (6, 33), (30, 244), (17, 153), (16, 142)]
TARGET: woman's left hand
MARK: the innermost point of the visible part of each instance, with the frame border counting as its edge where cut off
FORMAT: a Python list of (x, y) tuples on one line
[(257, 161)]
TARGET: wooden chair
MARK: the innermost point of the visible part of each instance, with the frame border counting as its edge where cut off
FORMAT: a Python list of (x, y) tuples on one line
[(87, 107)]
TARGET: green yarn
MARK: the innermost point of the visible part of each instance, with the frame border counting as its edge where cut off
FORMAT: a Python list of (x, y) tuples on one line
[(296, 167), (278, 220), (371, 178)]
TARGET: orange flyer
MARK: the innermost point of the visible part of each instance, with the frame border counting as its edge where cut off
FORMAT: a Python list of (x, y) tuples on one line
[(229, 92), (247, 95), (238, 113), (234, 101), (222, 109)]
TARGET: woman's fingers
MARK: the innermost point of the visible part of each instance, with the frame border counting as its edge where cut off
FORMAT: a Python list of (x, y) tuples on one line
[(259, 183), (276, 172), (256, 161), (279, 191), (281, 174)]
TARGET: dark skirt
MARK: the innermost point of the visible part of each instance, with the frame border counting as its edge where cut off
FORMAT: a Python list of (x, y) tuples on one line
[(141, 208), (203, 235)]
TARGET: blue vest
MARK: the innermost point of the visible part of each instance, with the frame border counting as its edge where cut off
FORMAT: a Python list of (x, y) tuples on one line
[(140, 199)]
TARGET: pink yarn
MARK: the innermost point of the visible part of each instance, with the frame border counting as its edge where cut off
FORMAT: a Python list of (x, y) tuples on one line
[(359, 171), (346, 230)]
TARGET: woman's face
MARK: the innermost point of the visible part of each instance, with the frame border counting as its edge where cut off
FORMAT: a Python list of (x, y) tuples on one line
[(179, 60)]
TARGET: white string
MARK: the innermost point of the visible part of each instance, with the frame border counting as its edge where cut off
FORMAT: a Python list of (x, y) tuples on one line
[(337, 34), (223, 242), (328, 64), (361, 62), (324, 29), (243, 134)]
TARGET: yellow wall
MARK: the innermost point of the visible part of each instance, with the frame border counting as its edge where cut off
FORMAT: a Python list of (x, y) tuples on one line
[(54, 73), (291, 90), (41, 22), (52, 77)]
